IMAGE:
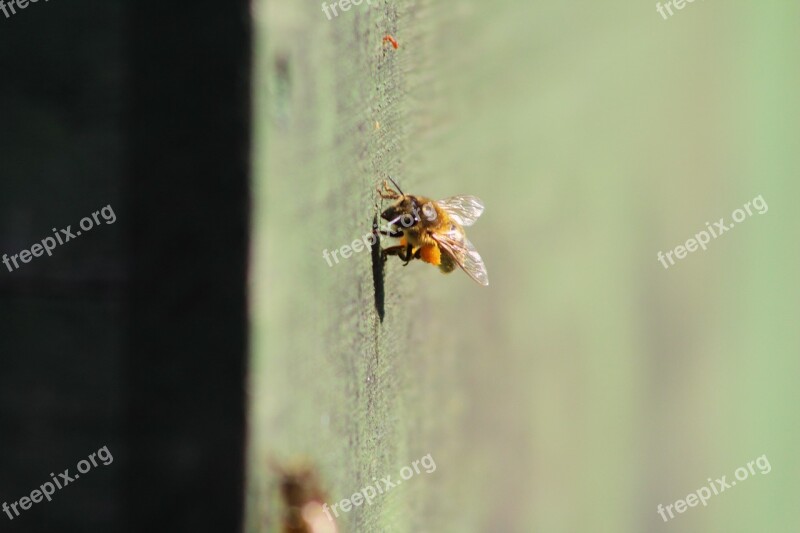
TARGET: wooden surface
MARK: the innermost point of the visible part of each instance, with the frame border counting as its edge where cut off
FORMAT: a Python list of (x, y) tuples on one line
[(586, 384)]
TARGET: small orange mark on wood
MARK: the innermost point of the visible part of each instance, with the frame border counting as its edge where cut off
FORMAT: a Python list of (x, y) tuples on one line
[(392, 40)]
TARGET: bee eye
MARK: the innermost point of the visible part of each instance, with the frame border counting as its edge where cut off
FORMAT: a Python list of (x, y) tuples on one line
[(415, 210)]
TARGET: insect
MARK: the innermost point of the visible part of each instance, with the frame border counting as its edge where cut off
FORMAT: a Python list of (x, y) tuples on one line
[(436, 234), (392, 40), (304, 501)]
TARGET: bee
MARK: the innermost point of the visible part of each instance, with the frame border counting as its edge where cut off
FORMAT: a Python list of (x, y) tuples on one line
[(304, 501), (433, 231)]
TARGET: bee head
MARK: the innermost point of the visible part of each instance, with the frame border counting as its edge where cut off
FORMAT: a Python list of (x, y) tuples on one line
[(406, 208)]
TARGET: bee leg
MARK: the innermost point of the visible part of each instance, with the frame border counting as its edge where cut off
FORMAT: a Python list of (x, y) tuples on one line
[(387, 192), (409, 256), (394, 250), (401, 251), (394, 234)]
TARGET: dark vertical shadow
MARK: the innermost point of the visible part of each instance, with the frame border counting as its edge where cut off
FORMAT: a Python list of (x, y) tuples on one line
[(377, 270), (189, 127), (62, 316)]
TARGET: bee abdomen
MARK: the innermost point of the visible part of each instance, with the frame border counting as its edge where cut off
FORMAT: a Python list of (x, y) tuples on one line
[(447, 264)]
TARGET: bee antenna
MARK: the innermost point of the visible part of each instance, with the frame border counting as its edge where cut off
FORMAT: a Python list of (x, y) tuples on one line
[(396, 185)]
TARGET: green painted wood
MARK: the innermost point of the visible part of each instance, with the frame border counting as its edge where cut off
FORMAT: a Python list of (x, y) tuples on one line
[(586, 384)]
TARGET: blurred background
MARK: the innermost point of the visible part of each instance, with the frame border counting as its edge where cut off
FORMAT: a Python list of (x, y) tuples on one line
[(587, 384), (132, 336)]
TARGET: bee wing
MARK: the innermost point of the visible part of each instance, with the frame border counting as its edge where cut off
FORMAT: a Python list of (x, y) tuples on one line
[(463, 209), (464, 253)]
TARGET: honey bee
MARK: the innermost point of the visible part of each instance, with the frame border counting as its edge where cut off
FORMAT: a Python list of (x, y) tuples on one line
[(304, 501), (433, 231)]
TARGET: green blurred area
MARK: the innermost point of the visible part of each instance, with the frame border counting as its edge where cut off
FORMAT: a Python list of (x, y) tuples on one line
[(586, 384)]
